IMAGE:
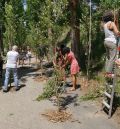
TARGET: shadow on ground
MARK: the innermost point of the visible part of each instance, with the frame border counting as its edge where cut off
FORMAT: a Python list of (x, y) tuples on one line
[(67, 98), (23, 73)]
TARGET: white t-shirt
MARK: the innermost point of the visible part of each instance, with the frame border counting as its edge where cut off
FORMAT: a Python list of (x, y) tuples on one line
[(12, 57), (109, 35)]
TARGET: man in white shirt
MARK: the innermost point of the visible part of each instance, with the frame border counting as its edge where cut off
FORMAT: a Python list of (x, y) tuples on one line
[(12, 58)]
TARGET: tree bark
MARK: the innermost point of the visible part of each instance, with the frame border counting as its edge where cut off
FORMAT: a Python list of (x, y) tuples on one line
[(75, 29)]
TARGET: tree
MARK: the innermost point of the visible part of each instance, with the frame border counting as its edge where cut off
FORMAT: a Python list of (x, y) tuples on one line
[(48, 21), (1, 23), (75, 27), (15, 31), (10, 26)]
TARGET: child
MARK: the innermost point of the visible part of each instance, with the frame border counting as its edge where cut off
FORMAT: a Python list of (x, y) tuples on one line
[(74, 67)]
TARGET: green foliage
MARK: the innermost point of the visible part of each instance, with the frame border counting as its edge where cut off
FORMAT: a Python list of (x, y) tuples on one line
[(96, 88), (110, 4), (97, 37), (10, 32), (15, 31), (48, 90), (117, 89), (93, 94), (1, 12), (53, 86), (47, 21)]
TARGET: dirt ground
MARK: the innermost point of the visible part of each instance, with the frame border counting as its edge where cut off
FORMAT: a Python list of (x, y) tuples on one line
[(20, 110)]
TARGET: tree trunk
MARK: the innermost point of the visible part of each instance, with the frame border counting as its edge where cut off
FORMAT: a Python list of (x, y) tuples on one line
[(1, 41), (75, 29)]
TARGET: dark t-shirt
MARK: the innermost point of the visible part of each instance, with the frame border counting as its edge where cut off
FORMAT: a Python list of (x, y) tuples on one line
[(1, 67)]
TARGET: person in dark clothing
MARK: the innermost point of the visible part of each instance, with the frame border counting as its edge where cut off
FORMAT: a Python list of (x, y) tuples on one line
[(1, 69), (1, 66), (43, 52)]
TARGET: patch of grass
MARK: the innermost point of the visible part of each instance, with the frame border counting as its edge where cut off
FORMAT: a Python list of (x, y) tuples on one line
[(117, 89), (99, 78), (53, 86), (95, 89), (93, 94)]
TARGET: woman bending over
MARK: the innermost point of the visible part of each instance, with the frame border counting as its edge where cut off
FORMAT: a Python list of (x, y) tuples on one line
[(74, 67)]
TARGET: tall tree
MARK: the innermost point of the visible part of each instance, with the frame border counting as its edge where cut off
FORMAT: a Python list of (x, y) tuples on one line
[(2, 21), (75, 27), (9, 26), (15, 31)]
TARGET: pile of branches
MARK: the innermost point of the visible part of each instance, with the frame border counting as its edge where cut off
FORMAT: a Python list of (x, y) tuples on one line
[(57, 116)]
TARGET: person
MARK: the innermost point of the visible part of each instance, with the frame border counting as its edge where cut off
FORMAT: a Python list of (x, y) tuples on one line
[(20, 56), (11, 65), (29, 55), (110, 42), (1, 69), (23, 54), (74, 67)]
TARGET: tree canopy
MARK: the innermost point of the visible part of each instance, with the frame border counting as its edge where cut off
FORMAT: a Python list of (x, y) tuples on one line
[(54, 22)]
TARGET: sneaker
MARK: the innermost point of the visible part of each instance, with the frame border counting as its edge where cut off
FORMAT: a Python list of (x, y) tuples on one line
[(5, 90), (17, 88)]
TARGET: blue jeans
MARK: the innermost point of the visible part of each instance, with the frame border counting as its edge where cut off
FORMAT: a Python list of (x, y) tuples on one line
[(7, 76)]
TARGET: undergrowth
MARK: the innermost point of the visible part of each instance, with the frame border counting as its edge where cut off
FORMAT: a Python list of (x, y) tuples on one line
[(117, 89), (95, 89), (48, 90), (93, 94), (53, 86)]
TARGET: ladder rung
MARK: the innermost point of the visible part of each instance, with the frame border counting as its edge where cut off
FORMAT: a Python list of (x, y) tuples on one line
[(106, 104), (107, 94), (111, 86)]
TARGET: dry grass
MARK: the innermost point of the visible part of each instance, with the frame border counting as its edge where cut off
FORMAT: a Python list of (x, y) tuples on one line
[(57, 116), (40, 78)]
